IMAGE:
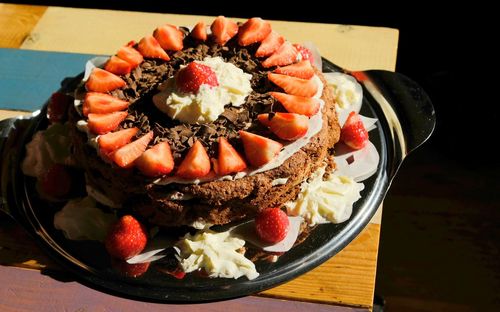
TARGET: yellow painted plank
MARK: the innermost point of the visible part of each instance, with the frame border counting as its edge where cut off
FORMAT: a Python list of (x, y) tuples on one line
[(16, 23)]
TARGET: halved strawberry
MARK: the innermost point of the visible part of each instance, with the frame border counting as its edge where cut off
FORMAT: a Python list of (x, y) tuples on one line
[(258, 149), (302, 69), (126, 155), (293, 85), (102, 103), (223, 29), (169, 37), (306, 106), (270, 44), (199, 31), (156, 161), (104, 123), (353, 132), (58, 106), (118, 66), (254, 30), (286, 126), (149, 47), (230, 161), (103, 81), (285, 55), (131, 55), (196, 164), (190, 78), (112, 141), (304, 52)]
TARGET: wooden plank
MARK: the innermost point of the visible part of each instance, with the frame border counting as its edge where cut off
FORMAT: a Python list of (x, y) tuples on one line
[(95, 32), (16, 23), (21, 294)]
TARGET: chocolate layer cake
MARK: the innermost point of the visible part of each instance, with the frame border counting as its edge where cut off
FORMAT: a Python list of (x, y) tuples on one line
[(167, 200)]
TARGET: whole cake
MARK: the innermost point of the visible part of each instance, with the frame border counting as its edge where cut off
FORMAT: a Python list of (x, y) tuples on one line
[(243, 92)]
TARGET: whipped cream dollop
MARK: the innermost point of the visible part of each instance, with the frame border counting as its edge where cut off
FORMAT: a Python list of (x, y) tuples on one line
[(325, 201), (80, 219), (346, 90), (216, 253), (208, 103)]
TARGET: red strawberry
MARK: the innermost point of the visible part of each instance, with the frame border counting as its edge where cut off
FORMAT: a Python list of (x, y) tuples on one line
[(271, 225), (58, 106), (286, 126), (293, 85), (353, 132), (196, 164), (112, 141), (190, 78), (297, 104), (118, 66), (169, 37), (223, 29), (230, 161), (131, 55), (56, 181), (254, 30), (101, 103), (258, 149), (149, 47), (156, 161), (270, 44), (104, 123), (126, 155), (103, 81), (302, 69), (285, 55), (128, 269), (199, 31), (126, 238), (304, 52)]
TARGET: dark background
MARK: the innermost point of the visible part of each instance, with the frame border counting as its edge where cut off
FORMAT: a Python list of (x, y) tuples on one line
[(440, 235)]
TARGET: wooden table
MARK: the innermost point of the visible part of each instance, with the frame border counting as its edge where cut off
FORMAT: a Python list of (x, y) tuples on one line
[(344, 283)]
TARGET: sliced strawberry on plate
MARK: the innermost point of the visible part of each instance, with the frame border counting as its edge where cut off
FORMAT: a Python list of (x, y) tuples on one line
[(270, 44), (305, 53), (149, 47), (58, 106), (56, 181), (126, 155), (230, 161), (112, 141), (293, 85), (196, 164), (286, 126), (118, 66), (199, 31), (104, 123), (126, 238), (128, 269), (169, 37), (353, 132), (271, 225), (254, 30), (102, 103), (156, 161), (223, 29), (101, 80), (285, 55), (190, 78), (131, 55), (302, 69), (297, 104), (258, 149)]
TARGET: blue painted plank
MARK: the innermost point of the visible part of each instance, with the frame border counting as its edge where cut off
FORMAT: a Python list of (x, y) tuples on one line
[(28, 78)]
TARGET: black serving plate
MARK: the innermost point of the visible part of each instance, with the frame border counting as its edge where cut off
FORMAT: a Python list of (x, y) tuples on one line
[(405, 120)]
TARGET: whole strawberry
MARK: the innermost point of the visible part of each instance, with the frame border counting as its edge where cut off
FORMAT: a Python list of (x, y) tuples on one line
[(353, 132), (271, 225), (305, 52), (126, 238), (190, 78)]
